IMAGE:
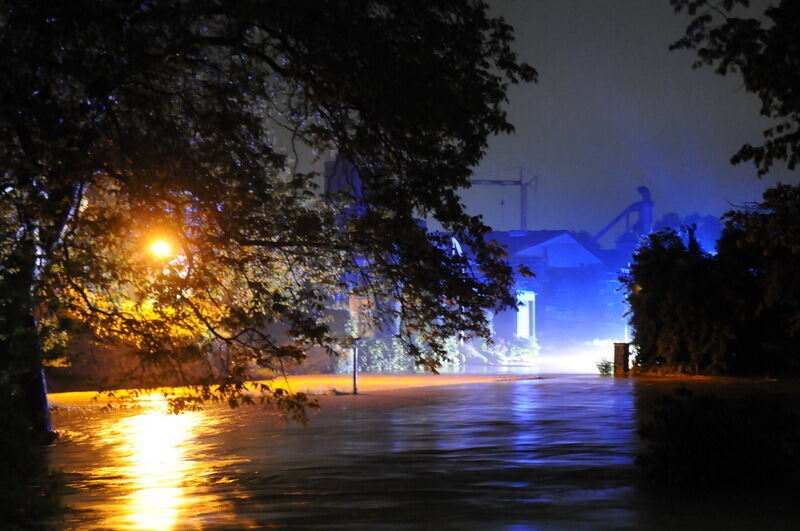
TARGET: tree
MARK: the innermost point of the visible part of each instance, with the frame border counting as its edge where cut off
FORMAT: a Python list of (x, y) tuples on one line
[(200, 123), (736, 311), (764, 52), (679, 307), (760, 249), (707, 228)]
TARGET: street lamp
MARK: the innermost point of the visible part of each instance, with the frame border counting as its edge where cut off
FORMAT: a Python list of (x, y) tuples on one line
[(160, 248)]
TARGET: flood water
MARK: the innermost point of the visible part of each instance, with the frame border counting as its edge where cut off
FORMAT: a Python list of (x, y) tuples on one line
[(549, 453)]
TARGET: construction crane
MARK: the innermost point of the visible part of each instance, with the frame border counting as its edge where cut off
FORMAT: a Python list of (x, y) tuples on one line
[(523, 184)]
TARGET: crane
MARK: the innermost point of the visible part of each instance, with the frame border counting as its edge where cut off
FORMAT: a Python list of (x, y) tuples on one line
[(523, 186)]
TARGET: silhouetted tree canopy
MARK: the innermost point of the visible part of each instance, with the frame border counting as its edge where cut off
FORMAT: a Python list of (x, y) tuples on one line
[(764, 51), (760, 249), (203, 123), (679, 321), (707, 228), (736, 311)]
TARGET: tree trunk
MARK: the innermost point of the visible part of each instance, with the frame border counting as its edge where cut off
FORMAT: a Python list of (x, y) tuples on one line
[(35, 403), (21, 362)]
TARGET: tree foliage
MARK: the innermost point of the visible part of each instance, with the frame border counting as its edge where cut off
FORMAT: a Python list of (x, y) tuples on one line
[(736, 311), (764, 51), (760, 249), (674, 296), (202, 123)]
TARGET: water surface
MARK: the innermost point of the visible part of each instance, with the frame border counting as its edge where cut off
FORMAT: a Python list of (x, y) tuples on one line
[(551, 453)]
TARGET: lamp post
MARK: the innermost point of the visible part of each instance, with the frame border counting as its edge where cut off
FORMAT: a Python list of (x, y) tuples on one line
[(355, 365)]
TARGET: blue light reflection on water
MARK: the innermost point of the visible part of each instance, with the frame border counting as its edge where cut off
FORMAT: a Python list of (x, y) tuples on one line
[(475, 456)]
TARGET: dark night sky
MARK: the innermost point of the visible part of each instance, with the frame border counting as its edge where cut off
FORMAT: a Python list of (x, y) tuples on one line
[(613, 109)]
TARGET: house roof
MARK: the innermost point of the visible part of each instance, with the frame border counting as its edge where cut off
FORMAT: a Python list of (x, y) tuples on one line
[(516, 240), (558, 248)]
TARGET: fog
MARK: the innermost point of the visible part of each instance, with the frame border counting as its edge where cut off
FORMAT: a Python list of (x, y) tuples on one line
[(614, 109)]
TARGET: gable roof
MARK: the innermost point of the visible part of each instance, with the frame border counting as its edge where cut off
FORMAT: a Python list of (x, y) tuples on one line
[(562, 251), (516, 240), (558, 248)]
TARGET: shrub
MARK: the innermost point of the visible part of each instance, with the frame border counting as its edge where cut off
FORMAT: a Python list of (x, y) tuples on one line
[(605, 367), (383, 355)]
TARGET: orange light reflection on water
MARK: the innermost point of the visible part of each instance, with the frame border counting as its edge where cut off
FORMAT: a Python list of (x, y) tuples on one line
[(158, 466), (154, 454), (146, 469)]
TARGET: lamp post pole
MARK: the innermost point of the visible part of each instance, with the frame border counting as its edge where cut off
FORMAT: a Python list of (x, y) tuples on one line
[(355, 365)]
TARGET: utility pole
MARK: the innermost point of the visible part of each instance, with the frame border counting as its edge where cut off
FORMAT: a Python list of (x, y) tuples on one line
[(523, 184)]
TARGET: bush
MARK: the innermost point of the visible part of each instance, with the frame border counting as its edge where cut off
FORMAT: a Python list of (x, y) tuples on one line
[(605, 367), (383, 355)]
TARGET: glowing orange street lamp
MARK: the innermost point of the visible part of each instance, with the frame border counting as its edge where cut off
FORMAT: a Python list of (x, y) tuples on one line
[(160, 248)]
